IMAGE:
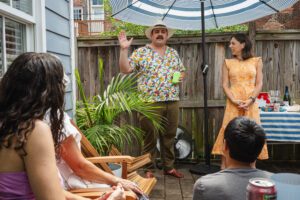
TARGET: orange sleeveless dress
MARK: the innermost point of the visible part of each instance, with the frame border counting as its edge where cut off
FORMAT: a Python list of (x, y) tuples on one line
[(242, 75)]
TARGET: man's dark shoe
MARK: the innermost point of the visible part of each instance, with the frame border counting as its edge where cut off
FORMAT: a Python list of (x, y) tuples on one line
[(159, 164), (174, 172)]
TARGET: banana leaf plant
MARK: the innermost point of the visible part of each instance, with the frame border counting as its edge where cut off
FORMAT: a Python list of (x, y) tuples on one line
[(99, 117)]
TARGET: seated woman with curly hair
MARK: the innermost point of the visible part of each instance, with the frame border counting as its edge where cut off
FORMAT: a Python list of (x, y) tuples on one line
[(33, 84)]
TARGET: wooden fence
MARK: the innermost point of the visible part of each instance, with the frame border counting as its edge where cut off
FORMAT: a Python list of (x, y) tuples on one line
[(280, 52)]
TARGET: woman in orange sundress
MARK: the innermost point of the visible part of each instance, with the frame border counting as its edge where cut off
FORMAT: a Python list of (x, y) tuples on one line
[(242, 80)]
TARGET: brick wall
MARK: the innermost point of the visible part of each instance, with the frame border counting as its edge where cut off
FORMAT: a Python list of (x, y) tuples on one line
[(77, 3), (287, 19)]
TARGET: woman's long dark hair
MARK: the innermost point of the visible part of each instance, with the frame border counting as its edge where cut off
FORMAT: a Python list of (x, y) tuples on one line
[(243, 38), (32, 85)]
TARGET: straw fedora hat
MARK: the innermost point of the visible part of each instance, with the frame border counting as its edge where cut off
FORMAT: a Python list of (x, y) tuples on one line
[(149, 30)]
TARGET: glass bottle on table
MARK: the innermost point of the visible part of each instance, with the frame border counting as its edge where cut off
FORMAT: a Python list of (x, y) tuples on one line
[(272, 96), (286, 97), (277, 96)]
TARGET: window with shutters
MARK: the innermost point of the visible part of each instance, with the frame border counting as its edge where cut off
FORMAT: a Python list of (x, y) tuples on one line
[(77, 13), (16, 35), (14, 39)]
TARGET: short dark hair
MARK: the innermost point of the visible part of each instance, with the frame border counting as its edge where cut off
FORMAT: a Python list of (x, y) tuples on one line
[(245, 139), (243, 38)]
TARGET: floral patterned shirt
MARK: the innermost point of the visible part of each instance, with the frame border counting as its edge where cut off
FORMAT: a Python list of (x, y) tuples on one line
[(156, 73)]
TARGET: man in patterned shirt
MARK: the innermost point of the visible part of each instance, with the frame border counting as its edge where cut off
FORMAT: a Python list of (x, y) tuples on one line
[(156, 64)]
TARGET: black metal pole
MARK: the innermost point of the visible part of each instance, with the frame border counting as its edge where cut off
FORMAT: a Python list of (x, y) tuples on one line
[(204, 72), (206, 168)]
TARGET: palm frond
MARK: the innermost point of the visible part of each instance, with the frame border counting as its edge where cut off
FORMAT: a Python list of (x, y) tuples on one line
[(101, 72), (103, 136), (83, 97), (98, 116)]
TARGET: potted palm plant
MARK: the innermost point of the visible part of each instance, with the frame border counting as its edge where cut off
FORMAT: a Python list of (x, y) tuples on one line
[(99, 116)]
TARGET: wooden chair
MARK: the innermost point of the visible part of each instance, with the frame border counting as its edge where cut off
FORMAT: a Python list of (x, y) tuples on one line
[(94, 193), (136, 163), (145, 184)]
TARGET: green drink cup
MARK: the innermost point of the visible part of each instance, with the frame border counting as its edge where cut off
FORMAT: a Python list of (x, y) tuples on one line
[(176, 77)]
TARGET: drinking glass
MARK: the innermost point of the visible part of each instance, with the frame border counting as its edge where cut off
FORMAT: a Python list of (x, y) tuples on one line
[(277, 96)]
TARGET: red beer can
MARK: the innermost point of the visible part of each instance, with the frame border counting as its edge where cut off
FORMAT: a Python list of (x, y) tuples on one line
[(261, 189)]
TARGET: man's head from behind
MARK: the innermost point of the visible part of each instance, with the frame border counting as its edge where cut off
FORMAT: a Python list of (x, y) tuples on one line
[(244, 139)]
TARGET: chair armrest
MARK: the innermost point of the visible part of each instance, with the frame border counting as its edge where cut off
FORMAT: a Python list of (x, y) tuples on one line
[(105, 159), (81, 190), (97, 192)]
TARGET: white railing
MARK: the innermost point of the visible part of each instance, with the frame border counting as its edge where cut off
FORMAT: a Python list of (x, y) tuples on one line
[(89, 27)]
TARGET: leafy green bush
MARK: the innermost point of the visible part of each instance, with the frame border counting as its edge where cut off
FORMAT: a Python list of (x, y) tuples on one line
[(99, 117)]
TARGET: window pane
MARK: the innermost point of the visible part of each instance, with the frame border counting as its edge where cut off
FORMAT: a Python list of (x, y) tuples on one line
[(97, 2), (5, 1), (1, 52), (23, 5), (98, 13), (77, 14), (15, 40)]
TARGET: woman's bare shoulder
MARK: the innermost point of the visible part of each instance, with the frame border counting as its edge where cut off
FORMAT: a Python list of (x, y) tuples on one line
[(256, 58), (229, 59), (39, 140), (40, 130), (40, 125)]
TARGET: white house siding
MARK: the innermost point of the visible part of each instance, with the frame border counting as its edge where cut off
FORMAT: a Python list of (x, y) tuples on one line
[(59, 41)]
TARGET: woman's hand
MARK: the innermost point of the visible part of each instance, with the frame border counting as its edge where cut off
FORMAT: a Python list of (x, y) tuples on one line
[(129, 185), (237, 102), (245, 104), (117, 194)]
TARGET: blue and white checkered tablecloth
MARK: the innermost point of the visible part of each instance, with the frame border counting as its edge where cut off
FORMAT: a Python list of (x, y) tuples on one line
[(281, 126)]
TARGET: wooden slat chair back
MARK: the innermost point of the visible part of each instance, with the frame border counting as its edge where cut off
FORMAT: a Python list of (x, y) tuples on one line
[(145, 184), (137, 162)]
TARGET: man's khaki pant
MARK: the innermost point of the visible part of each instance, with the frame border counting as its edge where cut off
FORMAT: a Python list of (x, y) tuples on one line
[(169, 110)]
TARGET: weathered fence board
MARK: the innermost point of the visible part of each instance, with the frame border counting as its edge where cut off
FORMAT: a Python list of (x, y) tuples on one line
[(280, 52)]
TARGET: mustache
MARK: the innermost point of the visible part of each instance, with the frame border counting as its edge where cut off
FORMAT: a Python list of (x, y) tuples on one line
[(160, 37)]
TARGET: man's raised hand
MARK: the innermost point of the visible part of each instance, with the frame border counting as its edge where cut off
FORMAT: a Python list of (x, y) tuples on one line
[(124, 43)]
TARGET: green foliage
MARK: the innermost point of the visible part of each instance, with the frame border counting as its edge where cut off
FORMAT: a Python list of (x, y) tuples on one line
[(129, 28), (137, 30), (235, 28), (99, 117), (117, 26)]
